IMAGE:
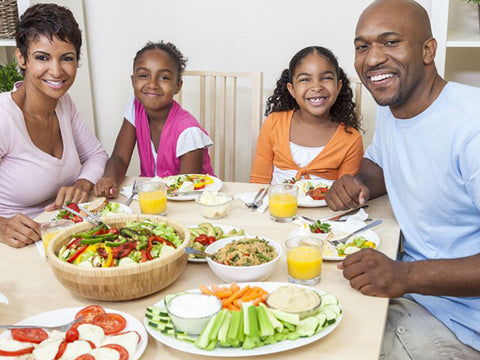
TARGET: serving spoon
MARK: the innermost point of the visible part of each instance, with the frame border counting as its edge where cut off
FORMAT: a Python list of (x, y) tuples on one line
[(193, 251)]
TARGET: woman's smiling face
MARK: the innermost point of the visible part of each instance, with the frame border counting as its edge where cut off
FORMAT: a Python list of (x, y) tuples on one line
[(50, 67), (155, 80), (315, 85)]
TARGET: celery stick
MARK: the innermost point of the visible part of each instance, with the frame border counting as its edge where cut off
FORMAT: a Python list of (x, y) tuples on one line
[(250, 321), (249, 343), (266, 327), (222, 334), (293, 336), (277, 325), (234, 328), (217, 325), (203, 340), (241, 333), (211, 345)]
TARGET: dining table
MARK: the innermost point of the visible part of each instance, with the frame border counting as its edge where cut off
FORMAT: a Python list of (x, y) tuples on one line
[(31, 287)]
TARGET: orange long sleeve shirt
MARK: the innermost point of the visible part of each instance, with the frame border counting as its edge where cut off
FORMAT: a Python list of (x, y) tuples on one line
[(341, 155)]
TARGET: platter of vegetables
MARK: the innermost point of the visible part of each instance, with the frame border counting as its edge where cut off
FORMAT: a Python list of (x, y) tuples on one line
[(206, 233), (254, 329), (135, 243)]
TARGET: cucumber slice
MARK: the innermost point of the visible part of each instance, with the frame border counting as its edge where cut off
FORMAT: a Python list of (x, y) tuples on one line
[(160, 326), (335, 308), (330, 315), (185, 337), (218, 232), (164, 319), (208, 228), (307, 326), (328, 299), (157, 311), (322, 319)]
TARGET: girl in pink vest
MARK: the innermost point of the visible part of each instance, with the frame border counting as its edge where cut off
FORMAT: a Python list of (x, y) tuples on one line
[(170, 140)]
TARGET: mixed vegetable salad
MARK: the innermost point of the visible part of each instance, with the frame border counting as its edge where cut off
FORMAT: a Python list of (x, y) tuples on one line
[(108, 208), (135, 243), (186, 183), (308, 188), (355, 245)]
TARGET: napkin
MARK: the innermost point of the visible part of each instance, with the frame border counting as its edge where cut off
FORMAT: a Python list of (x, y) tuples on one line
[(127, 191), (247, 198), (40, 249), (3, 299)]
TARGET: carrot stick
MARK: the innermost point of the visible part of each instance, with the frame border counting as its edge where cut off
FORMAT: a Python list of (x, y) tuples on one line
[(233, 285), (221, 294), (205, 290), (238, 294)]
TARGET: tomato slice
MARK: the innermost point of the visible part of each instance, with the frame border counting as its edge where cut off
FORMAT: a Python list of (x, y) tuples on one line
[(72, 334), (85, 357), (33, 335), (90, 312), (111, 323), (61, 350), (17, 352), (121, 350)]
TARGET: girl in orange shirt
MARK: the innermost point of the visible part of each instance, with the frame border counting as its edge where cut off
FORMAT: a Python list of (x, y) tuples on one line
[(311, 130)]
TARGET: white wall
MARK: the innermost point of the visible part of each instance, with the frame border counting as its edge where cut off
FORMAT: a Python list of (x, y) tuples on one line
[(246, 36)]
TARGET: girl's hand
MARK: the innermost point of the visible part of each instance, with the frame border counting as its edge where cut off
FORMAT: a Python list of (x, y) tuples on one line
[(77, 193), (19, 231), (107, 187)]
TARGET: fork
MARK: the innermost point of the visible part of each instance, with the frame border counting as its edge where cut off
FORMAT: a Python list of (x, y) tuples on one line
[(345, 238), (253, 205), (134, 192), (62, 328)]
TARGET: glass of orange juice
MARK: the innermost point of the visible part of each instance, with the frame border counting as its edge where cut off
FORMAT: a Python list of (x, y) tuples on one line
[(304, 259), (152, 196), (49, 229), (282, 201)]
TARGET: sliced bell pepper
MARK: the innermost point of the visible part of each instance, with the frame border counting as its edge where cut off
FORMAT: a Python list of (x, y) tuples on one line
[(77, 254), (109, 261)]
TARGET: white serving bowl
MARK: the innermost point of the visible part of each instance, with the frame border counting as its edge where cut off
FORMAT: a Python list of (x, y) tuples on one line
[(186, 315), (242, 273)]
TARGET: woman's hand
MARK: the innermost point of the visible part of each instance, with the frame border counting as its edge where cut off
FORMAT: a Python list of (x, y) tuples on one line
[(19, 231), (77, 193), (107, 187)]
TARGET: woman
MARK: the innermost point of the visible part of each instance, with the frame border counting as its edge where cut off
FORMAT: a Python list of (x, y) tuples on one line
[(46, 149)]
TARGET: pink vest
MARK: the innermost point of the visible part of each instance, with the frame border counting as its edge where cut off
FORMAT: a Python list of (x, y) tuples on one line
[(167, 162)]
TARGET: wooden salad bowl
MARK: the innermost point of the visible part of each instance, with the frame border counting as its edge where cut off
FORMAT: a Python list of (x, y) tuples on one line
[(119, 283)]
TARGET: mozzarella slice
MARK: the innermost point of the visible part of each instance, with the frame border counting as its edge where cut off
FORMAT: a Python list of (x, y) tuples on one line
[(105, 354), (47, 349), (75, 349), (129, 340), (91, 332), (187, 186), (14, 345)]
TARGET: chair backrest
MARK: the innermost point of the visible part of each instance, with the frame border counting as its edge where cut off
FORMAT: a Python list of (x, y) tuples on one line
[(229, 106), (356, 86)]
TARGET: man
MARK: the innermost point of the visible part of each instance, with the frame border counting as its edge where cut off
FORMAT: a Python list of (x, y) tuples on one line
[(425, 155)]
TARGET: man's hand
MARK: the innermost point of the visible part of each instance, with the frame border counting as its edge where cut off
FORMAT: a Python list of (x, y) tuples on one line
[(19, 231), (374, 274), (347, 193), (107, 187), (77, 193)]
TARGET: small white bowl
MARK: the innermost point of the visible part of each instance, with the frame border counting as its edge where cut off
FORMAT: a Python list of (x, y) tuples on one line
[(194, 318), (242, 273), (215, 210)]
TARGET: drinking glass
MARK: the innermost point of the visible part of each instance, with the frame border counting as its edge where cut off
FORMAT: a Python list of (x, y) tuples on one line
[(49, 229), (282, 201), (152, 196), (304, 260)]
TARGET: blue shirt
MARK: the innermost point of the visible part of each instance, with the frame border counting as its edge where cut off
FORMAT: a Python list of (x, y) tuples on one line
[(431, 166)]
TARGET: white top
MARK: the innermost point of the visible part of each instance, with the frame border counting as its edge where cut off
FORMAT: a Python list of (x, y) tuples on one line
[(190, 139), (302, 155)]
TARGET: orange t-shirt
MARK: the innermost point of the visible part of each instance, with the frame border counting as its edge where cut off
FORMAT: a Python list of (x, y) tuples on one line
[(342, 154)]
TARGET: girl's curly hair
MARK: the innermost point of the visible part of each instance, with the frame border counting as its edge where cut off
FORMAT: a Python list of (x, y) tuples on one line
[(342, 111), (172, 51)]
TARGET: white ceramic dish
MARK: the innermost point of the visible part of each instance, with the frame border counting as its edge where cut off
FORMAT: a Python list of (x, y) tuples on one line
[(215, 186), (122, 209), (242, 273), (307, 201), (281, 346), (64, 315), (225, 228)]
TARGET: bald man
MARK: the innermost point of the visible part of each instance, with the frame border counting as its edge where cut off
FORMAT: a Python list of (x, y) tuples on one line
[(426, 155)]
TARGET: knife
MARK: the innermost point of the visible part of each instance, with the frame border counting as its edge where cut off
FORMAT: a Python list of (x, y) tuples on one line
[(336, 217)]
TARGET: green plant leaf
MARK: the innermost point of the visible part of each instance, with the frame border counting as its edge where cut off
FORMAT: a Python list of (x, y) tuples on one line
[(9, 75)]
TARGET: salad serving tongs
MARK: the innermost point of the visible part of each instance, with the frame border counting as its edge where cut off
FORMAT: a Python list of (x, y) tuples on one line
[(93, 216), (258, 199), (345, 238), (62, 328), (193, 251)]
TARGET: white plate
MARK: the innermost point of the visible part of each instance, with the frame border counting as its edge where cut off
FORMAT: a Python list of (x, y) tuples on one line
[(307, 201), (65, 315), (239, 352), (338, 230), (215, 186), (122, 209), (225, 228)]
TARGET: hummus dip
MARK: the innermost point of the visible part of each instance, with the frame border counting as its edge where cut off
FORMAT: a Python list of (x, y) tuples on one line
[(293, 299)]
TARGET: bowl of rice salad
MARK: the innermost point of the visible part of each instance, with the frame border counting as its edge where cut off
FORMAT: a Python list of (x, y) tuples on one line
[(243, 258)]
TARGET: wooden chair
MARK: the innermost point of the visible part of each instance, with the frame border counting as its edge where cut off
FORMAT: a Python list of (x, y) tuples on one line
[(357, 87), (229, 106)]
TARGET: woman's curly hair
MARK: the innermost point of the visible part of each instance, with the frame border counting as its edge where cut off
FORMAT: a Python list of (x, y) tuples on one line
[(342, 111), (172, 51)]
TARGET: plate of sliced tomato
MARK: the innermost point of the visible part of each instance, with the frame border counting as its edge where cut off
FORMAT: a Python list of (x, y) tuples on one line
[(112, 322), (311, 193)]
